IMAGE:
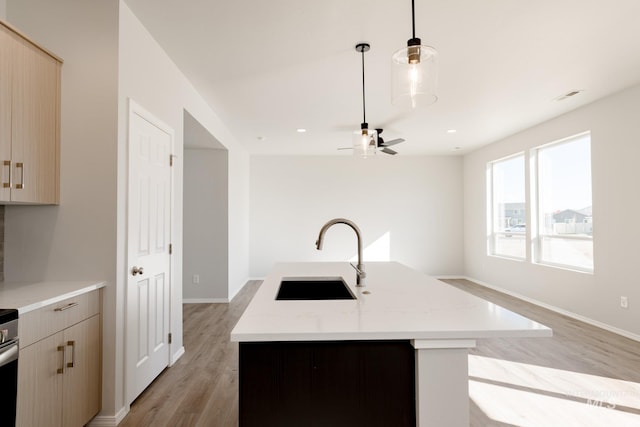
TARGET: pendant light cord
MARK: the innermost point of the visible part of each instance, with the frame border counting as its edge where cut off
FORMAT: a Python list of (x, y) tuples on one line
[(413, 18), (364, 111)]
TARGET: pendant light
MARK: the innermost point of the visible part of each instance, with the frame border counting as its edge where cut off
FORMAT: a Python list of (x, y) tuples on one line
[(414, 72), (365, 141)]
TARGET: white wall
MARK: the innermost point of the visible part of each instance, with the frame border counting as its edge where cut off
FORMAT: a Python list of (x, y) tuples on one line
[(3, 9), (109, 57), (409, 209), (76, 240), (615, 150), (149, 77), (238, 220), (206, 221)]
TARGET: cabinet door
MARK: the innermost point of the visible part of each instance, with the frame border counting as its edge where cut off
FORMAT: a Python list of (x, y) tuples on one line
[(35, 121), (40, 384), (6, 41), (322, 383), (82, 385)]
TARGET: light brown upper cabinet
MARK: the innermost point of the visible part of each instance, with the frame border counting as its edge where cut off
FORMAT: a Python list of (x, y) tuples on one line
[(29, 121)]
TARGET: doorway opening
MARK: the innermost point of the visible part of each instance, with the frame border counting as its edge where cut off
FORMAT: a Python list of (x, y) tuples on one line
[(205, 263)]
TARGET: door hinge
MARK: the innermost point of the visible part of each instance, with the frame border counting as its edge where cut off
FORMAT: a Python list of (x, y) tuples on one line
[(170, 248), (171, 156), (170, 338)]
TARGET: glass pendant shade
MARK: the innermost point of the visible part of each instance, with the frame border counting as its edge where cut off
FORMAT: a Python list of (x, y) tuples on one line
[(365, 143), (414, 73)]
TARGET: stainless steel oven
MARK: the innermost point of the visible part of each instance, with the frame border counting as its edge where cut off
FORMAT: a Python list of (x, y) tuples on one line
[(8, 366)]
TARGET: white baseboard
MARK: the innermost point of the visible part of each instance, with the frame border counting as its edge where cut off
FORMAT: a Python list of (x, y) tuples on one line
[(109, 420), (558, 310), (232, 296), (218, 300), (113, 420), (205, 300), (177, 355)]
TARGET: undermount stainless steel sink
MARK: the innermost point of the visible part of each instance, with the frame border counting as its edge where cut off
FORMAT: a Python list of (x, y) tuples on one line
[(313, 288)]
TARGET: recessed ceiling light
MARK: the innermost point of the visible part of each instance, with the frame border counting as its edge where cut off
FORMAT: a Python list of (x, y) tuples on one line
[(456, 149), (301, 130), (452, 131), (261, 138)]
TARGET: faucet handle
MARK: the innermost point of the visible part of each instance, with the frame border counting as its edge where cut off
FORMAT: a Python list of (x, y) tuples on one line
[(360, 274), (359, 269)]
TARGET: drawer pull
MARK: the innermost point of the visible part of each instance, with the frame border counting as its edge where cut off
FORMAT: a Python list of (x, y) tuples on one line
[(8, 164), (72, 344), (66, 307), (21, 166), (61, 370)]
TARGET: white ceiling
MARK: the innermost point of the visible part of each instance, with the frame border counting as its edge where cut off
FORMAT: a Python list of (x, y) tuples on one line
[(270, 67)]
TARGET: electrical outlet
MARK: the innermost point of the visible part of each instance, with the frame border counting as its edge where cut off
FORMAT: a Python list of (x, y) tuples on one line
[(196, 278), (624, 302)]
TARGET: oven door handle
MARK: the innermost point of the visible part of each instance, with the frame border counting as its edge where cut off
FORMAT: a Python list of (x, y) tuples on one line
[(8, 354)]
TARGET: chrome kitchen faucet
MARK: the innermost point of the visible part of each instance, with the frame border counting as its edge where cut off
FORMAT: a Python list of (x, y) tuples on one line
[(360, 273)]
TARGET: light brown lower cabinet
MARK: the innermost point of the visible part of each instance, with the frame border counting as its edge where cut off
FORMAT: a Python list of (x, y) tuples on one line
[(59, 377)]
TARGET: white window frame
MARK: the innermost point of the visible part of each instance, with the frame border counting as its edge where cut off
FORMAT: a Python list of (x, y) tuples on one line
[(492, 233), (537, 229)]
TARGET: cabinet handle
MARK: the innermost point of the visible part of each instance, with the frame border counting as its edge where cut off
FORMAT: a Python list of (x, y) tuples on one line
[(61, 370), (72, 344), (21, 166), (66, 307), (8, 164)]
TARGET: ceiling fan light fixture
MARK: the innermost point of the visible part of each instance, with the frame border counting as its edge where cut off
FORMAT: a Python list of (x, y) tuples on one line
[(414, 72), (365, 141)]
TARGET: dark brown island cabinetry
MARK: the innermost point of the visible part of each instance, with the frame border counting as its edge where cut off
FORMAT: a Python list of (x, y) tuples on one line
[(327, 383)]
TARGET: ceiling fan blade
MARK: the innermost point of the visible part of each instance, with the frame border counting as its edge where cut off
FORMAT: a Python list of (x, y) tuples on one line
[(389, 151), (345, 148), (393, 142)]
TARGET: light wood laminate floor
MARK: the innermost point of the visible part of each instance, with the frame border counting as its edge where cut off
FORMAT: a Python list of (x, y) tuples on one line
[(583, 376)]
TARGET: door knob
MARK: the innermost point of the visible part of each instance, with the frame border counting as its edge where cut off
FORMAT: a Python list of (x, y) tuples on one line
[(137, 270)]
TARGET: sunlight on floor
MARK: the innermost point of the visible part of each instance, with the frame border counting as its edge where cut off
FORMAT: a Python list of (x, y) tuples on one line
[(521, 394)]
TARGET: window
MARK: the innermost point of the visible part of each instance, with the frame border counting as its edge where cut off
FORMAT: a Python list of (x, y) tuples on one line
[(561, 211), (564, 214), (507, 207)]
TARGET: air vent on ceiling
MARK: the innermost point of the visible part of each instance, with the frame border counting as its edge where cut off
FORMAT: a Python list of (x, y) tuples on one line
[(568, 95)]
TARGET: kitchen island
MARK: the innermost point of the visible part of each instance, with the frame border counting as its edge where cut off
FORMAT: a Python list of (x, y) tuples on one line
[(399, 307)]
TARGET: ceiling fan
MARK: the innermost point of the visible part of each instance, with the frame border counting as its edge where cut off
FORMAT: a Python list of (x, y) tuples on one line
[(382, 144), (367, 141)]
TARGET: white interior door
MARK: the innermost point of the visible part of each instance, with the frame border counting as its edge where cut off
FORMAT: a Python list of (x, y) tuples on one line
[(149, 263)]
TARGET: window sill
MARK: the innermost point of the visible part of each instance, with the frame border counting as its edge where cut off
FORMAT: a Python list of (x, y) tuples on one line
[(507, 257), (571, 268)]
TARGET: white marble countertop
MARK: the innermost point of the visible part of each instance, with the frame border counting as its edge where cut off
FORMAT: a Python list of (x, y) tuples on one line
[(28, 296), (403, 304)]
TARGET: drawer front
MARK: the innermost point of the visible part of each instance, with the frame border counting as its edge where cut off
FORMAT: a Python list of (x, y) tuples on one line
[(43, 322)]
